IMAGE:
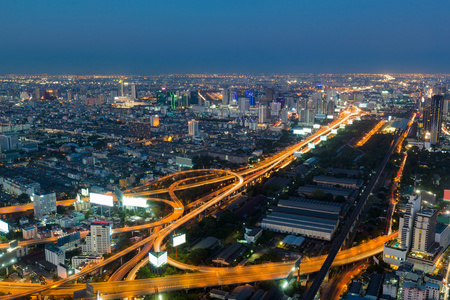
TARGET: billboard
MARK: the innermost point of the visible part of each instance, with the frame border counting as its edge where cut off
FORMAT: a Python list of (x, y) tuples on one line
[(342, 126), (316, 126), (307, 130), (136, 202), (334, 131), (446, 195), (299, 131), (101, 199), (4, 227), (157, 259), (311, 145), (178, 240), (85, 192), (323, 137), (330, 117), (350, 122), (297, 154)]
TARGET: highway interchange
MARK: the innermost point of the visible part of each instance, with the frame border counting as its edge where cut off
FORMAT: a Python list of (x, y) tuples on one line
[(208, 276)]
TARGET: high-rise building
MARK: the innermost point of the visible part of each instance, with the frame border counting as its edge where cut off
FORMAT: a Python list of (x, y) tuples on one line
[(55, 255), (424, 229), (133, 92), (193, 128), (275, 108), (8, 142), (407, 221), (244, 104), (44, 204), (225, 96), (270, 95), (262, 114), (99, 239), (435, 118), (154, 120), (332, 95), (284, 115)]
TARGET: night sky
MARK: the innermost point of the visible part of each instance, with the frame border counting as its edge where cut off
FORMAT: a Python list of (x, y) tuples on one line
[(223, 36)]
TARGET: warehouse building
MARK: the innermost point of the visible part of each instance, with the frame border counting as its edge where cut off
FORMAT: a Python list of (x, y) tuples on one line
[(310, 218)]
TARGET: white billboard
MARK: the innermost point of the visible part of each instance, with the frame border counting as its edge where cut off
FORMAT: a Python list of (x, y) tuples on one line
[(157, 259), (350, 122), (85, 192), (334, 131), (316, 126), (297, 154), (307, 130), (299, 131), (311, 145), (330, 117), (342, 126), (4, 227), (101, 199), (323, 137), (136, 202), (178, 240)]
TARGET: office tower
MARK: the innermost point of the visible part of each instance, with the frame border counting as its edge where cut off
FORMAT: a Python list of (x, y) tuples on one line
[(133, 92), (270, 94), (406, 222), (262, 114), (251, 98), (44, 204), (9, 142), (316, 96), (69, 95), (330, 107), (37, 94), (193, 128), (306, 116), (284, 115), (424, 229), (332, 95), (193, 98), (154, 120), (99, 239), (244, 104), (225, 96), (435, 118), (275, 108)]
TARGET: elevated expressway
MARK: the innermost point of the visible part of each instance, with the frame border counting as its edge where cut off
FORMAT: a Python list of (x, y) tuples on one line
[(210, 276), (177, 219)]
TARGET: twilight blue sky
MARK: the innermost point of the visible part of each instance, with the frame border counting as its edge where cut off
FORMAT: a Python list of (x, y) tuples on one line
[(223, 36)]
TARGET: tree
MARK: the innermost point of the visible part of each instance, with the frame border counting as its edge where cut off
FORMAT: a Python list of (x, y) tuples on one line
[(197, 256), (317, 194), (23, 198)]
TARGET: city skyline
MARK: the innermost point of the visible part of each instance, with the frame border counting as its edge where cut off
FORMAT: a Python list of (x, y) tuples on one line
[(202, 37)]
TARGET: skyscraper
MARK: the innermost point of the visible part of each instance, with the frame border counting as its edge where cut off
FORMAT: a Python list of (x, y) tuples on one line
[(406, 222), (262, 114), (244, 104), (435, 118), (133, 92), (424, 230), (193, 128), (284, 115), (99, 239), (225, 96), (44, 204)]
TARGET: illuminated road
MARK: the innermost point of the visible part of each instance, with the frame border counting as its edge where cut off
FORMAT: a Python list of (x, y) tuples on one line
[(30, 206), (370, 133), (212, 276), (266, 166)]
